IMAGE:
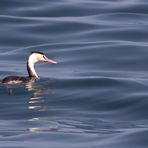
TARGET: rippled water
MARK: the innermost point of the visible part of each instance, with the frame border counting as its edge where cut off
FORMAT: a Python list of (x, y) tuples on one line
[(97, 94)]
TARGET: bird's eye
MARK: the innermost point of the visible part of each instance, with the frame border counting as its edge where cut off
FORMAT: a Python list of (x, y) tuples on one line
[(44, 57)]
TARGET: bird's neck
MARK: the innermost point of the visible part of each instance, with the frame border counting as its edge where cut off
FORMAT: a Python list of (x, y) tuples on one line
[(30, 68)]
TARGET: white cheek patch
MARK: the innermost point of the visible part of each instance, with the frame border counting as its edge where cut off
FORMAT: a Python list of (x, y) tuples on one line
[(33, 58)]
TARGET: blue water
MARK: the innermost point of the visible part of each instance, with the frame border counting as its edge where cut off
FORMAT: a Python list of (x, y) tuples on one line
[(97, 94)]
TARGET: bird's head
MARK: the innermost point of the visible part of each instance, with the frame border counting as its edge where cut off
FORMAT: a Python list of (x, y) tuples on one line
[(37, 56)]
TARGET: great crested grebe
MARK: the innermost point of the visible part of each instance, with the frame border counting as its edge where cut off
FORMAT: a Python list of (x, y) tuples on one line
[(34, 57)]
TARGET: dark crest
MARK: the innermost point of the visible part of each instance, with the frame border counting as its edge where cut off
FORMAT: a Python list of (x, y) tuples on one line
[(37, 52)]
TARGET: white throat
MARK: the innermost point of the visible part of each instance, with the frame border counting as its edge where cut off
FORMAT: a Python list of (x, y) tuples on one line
[(30, 66)]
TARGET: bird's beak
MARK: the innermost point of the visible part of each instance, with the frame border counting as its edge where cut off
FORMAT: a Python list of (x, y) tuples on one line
[(50, 61)]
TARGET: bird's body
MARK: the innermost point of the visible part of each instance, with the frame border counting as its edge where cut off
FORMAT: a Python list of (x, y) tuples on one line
[(33, 58), (14, 79)]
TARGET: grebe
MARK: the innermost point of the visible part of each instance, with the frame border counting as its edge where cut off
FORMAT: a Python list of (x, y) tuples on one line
[(34, 57)]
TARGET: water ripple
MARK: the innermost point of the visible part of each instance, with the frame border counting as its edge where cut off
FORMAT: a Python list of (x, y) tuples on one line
[(96, 96)]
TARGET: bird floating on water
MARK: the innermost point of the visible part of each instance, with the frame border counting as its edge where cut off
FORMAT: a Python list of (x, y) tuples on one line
[(34, 57)]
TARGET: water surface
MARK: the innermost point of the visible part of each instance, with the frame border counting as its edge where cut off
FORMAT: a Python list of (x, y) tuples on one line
[(96, 96)]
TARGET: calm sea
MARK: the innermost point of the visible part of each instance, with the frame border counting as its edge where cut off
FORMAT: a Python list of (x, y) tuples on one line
[(97, 94)]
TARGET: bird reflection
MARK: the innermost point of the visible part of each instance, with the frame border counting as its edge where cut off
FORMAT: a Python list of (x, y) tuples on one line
[(37, 105), (39, 90)]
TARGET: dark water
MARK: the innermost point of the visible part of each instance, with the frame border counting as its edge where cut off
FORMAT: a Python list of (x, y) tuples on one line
[(97, 94)]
